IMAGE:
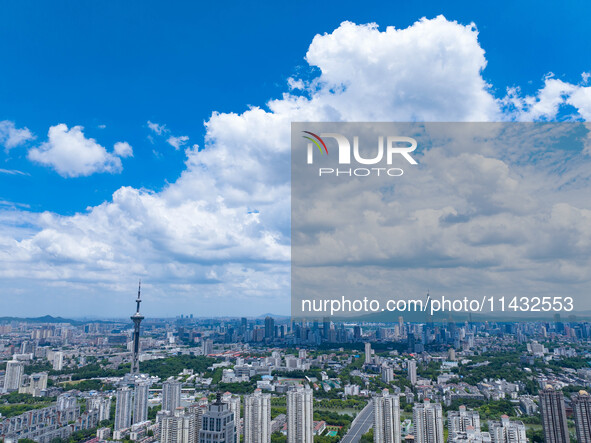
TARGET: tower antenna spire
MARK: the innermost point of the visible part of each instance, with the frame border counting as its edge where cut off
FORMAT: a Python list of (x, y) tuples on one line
[(137, 319), (138, 301)]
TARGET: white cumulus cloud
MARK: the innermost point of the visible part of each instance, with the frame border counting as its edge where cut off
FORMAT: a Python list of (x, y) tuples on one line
[(123, 149), (71, 154), (11, 136)]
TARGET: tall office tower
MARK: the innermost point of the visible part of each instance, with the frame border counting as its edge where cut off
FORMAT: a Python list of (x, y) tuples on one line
[(553, 416), (100, 404), (123, 408), (257, 418), (14, 375), (140, 401), (428, 421), (507, 431), (243, 325), (218, 424), (386, 418), (325, 327), (171, 395), (58, 361), (233, 402), (581, 403), (269, 328), (178, 427), (368, 353), (137, 319), (411, 367), (300, 412), (460, 421), (356, 333)]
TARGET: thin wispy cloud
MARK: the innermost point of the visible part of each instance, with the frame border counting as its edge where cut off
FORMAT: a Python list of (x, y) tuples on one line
[(13, 172)]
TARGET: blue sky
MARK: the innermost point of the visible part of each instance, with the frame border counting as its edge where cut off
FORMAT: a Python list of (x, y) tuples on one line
[(112, 67), (122, 64)]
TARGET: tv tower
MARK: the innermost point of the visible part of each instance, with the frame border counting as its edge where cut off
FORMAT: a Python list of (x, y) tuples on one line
[(137, 319)]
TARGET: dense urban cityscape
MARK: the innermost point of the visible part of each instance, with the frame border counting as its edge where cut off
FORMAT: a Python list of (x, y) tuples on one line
[(271, 379)]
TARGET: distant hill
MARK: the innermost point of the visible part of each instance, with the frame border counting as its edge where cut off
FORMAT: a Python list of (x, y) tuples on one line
[(44, 319)]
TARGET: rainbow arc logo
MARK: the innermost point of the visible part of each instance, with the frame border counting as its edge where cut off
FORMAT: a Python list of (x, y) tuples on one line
[(318, 139)]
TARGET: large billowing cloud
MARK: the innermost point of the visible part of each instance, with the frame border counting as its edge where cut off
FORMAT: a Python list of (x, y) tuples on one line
[(217, 240)]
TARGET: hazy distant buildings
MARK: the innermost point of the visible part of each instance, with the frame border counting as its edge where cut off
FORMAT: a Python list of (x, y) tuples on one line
[(581, 404), (428, 422), (257, 418), (386, 410), (300, 412), (553, 416), (123, 408), (171, 395), (14, 375)]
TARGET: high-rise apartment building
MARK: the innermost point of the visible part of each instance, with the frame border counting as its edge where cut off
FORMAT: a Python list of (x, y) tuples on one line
[(411, 367), (300, 412), (368, 353), (553, 416), (123, 408), (581, 403), (37, 383), (171, 395), (58, 361), (177, 427), (14, 375), (507, 431), (462, 420), (207, 346), (198, 410), (387, 374), (428, 422), (257, 418), (386, 416), (233, 402), (140, 401), (100, 404)]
